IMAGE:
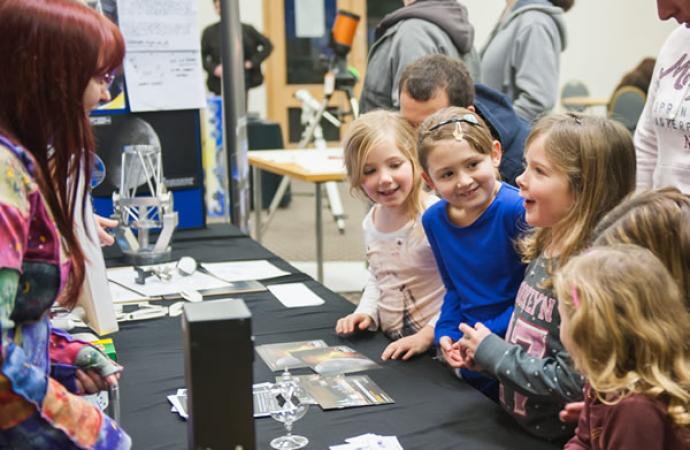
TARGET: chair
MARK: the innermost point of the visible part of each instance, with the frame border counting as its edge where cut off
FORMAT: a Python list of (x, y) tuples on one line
[(626, 106), (574, 88)]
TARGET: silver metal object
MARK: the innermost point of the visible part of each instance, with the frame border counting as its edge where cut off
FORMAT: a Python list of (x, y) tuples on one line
[(139, 213)]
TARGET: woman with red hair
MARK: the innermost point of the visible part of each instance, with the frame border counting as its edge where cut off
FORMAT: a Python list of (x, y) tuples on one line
[(57, 60)]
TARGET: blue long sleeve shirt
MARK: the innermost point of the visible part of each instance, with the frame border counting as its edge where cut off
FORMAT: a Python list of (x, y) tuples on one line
[(479, 264)]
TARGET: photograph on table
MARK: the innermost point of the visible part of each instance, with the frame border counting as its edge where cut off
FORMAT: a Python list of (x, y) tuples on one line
[(278, 356), (335, 360)]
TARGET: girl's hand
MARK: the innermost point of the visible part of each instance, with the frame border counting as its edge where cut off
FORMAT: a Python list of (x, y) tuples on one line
[(571, 412), (450, 352), (353, 322), (407, 347), (472, 338)]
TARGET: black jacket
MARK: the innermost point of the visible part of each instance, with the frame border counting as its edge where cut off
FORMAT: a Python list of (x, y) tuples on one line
[(256, 48)]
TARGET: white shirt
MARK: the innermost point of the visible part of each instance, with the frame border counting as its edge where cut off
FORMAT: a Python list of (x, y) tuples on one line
[(404, 289), (662, 136)]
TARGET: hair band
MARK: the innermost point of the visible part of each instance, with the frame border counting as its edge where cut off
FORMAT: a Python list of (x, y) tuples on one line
[(576, 298)]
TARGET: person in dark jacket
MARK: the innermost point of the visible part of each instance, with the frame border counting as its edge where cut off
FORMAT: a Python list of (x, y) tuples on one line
[(420, 28), (438, 81), (256, 46)]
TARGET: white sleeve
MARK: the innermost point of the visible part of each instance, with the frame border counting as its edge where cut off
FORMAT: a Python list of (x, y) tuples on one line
[(646, 145), (368, 304)]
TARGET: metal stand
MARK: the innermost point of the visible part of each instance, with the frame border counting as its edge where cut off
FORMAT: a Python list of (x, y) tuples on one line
[(338, 78)]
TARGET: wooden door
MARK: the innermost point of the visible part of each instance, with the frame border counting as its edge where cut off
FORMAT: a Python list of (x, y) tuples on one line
[(279, 91)]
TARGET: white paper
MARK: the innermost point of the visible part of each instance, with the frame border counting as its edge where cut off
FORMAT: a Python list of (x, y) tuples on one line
[(244, 270), (164, 80), (123, 295), (369, 441), (310, 19), (315, 161), (295, 295), (163, 59), (155, 287)]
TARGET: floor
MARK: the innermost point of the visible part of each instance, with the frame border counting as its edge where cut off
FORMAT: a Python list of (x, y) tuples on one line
[(291, 235)]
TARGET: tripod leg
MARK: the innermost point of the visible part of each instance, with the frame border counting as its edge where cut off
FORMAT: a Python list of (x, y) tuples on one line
[(277, 198), (336, 205)]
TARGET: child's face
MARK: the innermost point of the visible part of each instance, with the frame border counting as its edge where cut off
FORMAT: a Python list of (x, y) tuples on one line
[(544, 187), (463, 176), (387, 175)]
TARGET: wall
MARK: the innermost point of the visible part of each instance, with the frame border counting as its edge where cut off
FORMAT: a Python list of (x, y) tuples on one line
[(251, 11), (606, 38)]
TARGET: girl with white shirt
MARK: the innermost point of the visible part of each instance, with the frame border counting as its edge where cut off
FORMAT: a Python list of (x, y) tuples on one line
[(404, 293)]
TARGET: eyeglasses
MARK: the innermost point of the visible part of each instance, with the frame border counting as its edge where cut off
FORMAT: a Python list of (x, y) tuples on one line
[(106, 79), (467, 118)]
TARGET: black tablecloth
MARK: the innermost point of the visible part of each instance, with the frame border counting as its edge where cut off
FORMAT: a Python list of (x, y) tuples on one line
[(433, 409)]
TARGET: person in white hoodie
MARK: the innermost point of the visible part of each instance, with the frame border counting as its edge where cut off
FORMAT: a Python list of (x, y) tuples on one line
[(522, 56), (662, 136)]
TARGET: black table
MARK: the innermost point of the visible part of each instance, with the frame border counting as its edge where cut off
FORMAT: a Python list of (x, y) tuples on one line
[(433, 409)]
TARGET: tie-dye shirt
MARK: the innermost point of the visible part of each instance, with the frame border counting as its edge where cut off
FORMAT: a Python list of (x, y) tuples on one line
[(35, 409)]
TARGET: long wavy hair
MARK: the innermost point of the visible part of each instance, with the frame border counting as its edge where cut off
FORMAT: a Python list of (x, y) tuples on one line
[(370, 130), (658, 220), (628, 330), (598, 158), (50, 50)]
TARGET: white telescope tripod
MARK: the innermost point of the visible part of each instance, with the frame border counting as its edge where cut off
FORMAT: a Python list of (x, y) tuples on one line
[(312, 112)]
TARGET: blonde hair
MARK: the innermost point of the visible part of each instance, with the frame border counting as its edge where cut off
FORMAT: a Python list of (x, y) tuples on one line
[(370, 130), (658, 220), (628, 327), (598, 158), (477, 136)]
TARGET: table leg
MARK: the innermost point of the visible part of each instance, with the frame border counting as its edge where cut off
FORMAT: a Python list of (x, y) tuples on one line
[(257, 203), (319, 235)]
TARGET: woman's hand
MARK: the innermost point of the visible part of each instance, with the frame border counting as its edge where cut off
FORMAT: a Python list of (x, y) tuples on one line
[(95, 371), (90, 381), (103, 224)]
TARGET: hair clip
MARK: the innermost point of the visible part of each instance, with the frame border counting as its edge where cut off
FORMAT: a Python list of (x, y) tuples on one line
[(576, 298), (458, 134)]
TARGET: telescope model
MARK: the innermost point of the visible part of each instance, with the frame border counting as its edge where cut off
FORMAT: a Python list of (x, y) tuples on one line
[(138, 212)]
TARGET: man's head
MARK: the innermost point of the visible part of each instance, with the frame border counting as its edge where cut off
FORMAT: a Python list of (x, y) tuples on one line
[(677, 9), (432, 83)]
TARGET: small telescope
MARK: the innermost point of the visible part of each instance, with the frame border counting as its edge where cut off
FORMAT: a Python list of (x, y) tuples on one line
[(343, 32)]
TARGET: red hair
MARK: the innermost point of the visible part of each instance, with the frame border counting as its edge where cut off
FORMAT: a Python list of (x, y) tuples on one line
[(50, 50)]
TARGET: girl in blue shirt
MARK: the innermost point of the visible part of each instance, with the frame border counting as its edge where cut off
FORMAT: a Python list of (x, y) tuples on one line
[(471, 230)]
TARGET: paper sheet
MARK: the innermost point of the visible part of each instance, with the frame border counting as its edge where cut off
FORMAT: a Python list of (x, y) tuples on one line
[(315, 161), (244, 270), (295, 295), (123, 295), (155, 287), (163, 59)]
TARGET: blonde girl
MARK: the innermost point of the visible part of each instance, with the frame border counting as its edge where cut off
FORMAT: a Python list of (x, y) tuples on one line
[(578, 169), (404, 292), (658, 220), (625, 325)]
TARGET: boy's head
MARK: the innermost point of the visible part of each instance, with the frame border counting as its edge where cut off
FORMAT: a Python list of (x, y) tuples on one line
[(432, 83)]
